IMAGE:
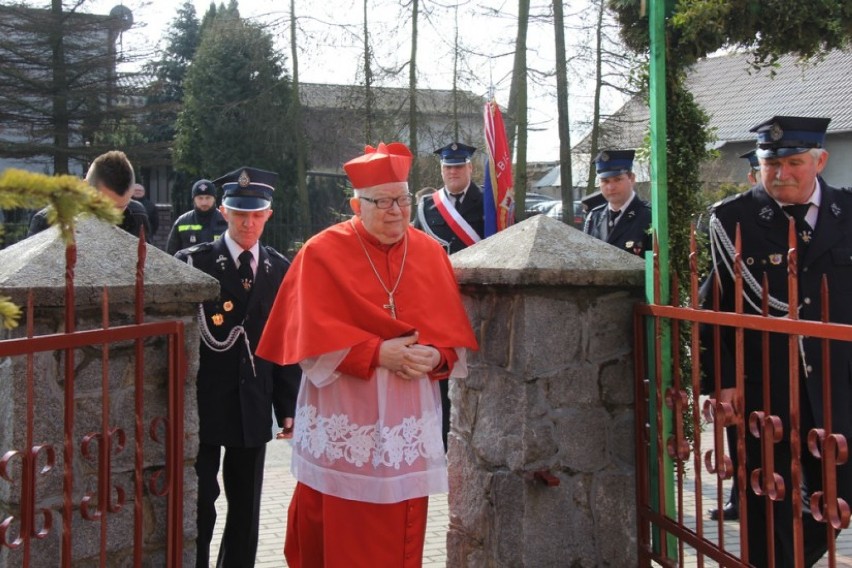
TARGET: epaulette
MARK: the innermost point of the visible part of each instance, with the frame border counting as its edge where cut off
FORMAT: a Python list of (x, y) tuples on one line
[(196, 248), (274, 253), (727, 200)]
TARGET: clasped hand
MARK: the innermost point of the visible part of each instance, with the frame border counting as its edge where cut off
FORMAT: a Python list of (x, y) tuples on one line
[(407, 358)]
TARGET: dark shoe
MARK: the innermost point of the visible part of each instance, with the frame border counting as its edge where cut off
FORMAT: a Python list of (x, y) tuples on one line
[(730, 513)]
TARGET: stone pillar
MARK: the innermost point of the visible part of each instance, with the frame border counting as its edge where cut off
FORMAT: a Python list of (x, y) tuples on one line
[(549, 398), (107, 257)]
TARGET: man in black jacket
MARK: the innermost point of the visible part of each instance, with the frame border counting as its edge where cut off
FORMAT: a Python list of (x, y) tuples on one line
[(791, 155), (111, 174), (454, 214), (624, 220), (236, 388), (202, 224)]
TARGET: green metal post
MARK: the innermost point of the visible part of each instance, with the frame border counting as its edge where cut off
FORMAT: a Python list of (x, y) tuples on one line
[(659, 10)]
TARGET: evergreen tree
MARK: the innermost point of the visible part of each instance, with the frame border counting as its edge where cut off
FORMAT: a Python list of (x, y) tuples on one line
[(236, 108)]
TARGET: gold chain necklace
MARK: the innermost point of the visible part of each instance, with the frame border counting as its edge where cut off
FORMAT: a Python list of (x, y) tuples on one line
[(391, 305)]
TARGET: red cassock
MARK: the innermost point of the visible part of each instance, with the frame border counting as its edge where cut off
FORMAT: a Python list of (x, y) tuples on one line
[(366, 453)]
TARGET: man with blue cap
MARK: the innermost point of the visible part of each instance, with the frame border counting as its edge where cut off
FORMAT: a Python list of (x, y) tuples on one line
[(624, 221), (790, 192), (236, 389), (753, 166), (454, 214)]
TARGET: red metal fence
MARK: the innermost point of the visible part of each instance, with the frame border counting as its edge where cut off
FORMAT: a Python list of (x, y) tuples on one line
[(92, 500), (681, 449)]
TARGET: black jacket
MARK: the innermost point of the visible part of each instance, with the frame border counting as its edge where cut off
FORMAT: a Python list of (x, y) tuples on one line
[(133, 220), (194, 227), (763, 227), (630, 233), (234, 396), (471, 210)]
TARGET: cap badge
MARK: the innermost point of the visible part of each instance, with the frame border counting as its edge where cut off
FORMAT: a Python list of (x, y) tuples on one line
[(454, 147), (228, 306), (776, 133), (218, 319), (244, 179), (766, 213), (604, 157), (775, 259)]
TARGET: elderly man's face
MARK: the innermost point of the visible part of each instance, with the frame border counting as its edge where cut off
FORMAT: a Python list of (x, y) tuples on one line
[(457, 178), (245, 227), (617, 189), (138, 191), (387, 225), (792, 179)]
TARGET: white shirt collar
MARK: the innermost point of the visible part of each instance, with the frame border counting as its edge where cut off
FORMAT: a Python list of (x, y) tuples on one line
[(626, 203), (815, 200), (236, 249)]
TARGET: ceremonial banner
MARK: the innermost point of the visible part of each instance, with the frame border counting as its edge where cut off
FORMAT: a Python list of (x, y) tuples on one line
[(498, 192)]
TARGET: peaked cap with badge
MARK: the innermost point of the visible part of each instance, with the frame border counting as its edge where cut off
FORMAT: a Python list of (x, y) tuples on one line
[(247, 189), (609, 163), (789, 135), (764, 230), (455, 154)]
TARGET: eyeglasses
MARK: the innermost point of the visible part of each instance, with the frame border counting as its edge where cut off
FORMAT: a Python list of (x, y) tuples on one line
[(387, 202)]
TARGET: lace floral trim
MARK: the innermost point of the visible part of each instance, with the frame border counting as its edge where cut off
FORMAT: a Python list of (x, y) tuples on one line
[(336, 438)]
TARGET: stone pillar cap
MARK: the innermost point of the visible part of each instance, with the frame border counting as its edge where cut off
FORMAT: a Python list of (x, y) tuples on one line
[(106, 257), (542, 251)]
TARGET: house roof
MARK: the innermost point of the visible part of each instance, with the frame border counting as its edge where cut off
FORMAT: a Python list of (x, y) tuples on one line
[(737, 97), (336, 97)]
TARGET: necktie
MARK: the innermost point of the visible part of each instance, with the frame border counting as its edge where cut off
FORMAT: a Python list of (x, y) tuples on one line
[(613, 217), (458, 198), (245, 271), (804, 231)]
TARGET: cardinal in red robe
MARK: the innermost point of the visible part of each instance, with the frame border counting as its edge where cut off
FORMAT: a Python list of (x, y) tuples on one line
[(371, 310)]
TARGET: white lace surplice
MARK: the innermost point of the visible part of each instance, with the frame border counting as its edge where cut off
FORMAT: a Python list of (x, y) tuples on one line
[(354, 440)]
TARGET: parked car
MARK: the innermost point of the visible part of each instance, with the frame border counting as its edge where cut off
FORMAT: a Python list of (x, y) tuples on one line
[(553, 208)]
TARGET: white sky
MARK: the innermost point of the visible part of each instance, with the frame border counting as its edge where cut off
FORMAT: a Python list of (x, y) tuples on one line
[(330, 53)]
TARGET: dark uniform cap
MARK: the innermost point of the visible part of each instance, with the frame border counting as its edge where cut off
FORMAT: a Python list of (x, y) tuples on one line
[(203, 187), (593, 200), (247, 189), (455, 154), (788, 135), (611, 163), (751, 156)]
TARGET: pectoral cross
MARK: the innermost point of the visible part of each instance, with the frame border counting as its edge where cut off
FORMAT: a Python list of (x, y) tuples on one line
[(391, 306)]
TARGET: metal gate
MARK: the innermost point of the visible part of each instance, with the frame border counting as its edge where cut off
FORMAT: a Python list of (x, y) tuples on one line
[(90, 503), (683, 464)]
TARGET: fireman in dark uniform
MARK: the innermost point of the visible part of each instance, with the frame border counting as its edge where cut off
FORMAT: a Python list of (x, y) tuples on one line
[(791, 155), (203, 224), (459, 192), (236, 388), (624, 220)]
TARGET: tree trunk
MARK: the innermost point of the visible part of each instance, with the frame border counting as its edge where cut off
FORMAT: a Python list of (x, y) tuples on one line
[(60, 91), (299, 134), (596, 113), (563, 116), (368, 82), (412, 93), (518, 110)]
